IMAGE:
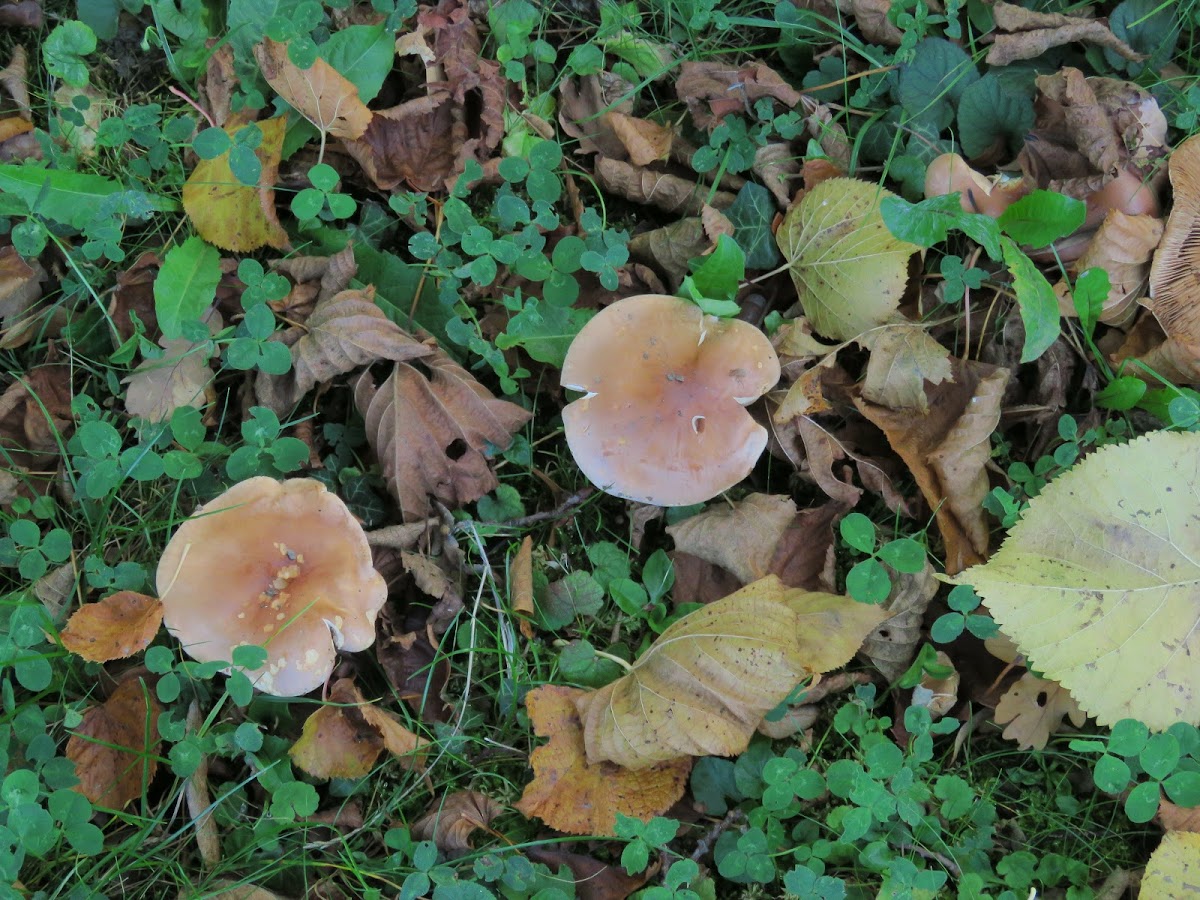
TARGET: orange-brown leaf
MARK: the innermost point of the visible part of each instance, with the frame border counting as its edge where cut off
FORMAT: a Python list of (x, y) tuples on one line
[(117, 626), (320, 93), (572, 796), (521, 576), (115, 747), (229, 214)]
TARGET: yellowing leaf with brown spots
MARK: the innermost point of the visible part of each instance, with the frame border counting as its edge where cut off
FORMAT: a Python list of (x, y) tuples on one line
[(229, 214), (705, 684), (570, 794), (319, 93), (1174, 868), (117, 626), (344, 739), (116, 747)]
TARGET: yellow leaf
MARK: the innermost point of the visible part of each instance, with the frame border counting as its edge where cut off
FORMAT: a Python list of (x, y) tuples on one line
[(705, 684), (117, 626), (320, 93), (1174, 868), (229, 214)]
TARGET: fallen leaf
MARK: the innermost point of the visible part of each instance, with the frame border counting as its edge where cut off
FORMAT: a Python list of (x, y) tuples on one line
[(181, 377), (133, 297), (429, 432), (23, 14), (1177, 818), (344, 332), (946, 451), (804, 556), (415, 669), (849, 270), (822, 451), (1034, 709), (594, 880), (713, 90), (1173, 870), (646, 142), (699, 581), (521, 587), (199, 799), (20, 290), (778, 166), (740, 537), (320, 93), (1086, 120), (57, 588), (671, 247), (892, 646), (938, 695), (707, 681), (230, 890), (1122, 247), (1096, 582), (116, 747), (449, 822), (670, 193), (229, 214), (576, 796), (344, 741), (115, 627), (903, 358), (586, 107), (875, 23), (1024, 34)]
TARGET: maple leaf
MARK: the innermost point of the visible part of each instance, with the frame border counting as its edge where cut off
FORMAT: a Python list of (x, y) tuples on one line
[(116, 747), (345, 741), (229, 214), (705, 684), (1033, 709), (319, 93), (115, 627), (570, 793), (429, 432)]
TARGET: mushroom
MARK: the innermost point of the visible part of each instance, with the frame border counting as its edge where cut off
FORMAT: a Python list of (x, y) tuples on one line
[(278, 564), (950, 172), (1175, 273), (663, 417)]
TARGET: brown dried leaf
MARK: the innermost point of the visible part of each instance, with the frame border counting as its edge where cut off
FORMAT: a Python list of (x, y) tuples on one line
[(115, 627), (1025, 33), (946, 451), (218, 84), (822, 450), (416, 671), (903, 358), (116, 747), (740, 538), (938, 695), (23, 13), (669, 248), (572, 795), (199, 800), (345, 741), (429, 432), (20, 290), (14, 79), (229, 890), (521, 586), (805, 557), (450, 821), (320, 93), (713, 90), (1034, 709), (343, 333), (707, 681), (1086, 120), (873, 22), (670, 193), (181, 377), (594, 880), (1122, 247), (586, 107), (778, 166), (646, 142), (892, 646)]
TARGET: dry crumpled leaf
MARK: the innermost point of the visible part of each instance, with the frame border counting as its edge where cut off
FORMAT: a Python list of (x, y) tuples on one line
[(872, 19), (450, 822), (521, 586), (229, 890), (1025, 33), (20, 289), (705, 684), (903, 358), (713, 90), (116, 747), (1034, 709), (429, 432), (320, 93), (199, 799), (670, 193), (343, 333), (892, 646), (229, 214), (1090, 127), (938, 695), (740, 537), (345, 741), (23, 13), (671, 246), (427, 140), (415, 669), (1122, 246), (115, 627), (571, 794), (586, 109), (181, 377), (594, 880), (946, 451), (646, 142), (35, 415)]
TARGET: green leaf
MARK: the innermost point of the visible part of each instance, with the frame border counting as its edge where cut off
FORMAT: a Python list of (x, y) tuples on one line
[(1142, 803), (930, 222), (1183, 788), (751, 214), (904, 555), (1096, 584), (1111, 774), (544, 331), (363, 54), (868, 582), (1160, 756), (1149, 27), (578, 662), (1036, 299), (101, 16), (1043, 217), (992, 114), (64, 49), (185, 285), (858, 531), (1121, 393), (64, 196), (578, 594), (1089, 296), (930, 86), (718, 275)]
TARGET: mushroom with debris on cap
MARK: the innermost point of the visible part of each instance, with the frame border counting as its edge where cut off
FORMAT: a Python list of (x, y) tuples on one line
[(283, 565), (1175, 274), (663, 418)]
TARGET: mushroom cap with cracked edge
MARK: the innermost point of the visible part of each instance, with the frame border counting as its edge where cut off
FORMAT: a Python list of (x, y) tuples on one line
[(663, 418), (1175, 273), (283, 565)]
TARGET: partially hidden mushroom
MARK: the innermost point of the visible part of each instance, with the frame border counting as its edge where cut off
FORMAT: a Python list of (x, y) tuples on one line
[(663, 418), (283, 565)]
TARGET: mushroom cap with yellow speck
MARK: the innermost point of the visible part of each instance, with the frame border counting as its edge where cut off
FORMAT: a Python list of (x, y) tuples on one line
[(283, 565)]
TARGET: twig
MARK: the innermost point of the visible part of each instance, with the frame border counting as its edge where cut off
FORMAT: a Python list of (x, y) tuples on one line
[(193, 104), (950, 865), (706, 843), (558, 512)]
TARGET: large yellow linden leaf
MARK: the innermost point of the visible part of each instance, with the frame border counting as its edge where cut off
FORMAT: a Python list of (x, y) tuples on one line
[(849, 270), (1099, 583), (1174, 868), (229, 214), (703, 687), (320, 93)]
